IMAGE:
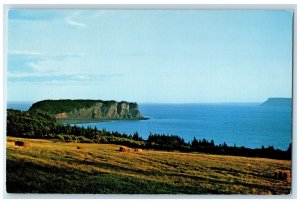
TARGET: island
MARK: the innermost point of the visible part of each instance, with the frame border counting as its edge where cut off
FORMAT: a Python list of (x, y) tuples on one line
[(277, 102), (88, 110)]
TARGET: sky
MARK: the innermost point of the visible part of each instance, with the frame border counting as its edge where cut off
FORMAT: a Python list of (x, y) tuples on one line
[(149, 56)]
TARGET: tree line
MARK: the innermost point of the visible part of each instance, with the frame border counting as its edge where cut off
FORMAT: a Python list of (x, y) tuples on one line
[(35, 124)]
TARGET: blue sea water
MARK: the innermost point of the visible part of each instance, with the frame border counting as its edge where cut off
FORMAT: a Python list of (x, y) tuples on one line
[(23, 106), (248, 125)]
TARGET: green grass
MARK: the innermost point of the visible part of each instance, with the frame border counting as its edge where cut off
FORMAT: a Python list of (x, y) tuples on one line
[(49, 166)]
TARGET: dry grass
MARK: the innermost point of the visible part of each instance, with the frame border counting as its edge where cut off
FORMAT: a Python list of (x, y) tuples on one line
[(187, 172)]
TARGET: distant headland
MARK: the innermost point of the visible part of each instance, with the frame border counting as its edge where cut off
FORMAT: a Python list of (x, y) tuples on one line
[(277, 102), (89, 109)]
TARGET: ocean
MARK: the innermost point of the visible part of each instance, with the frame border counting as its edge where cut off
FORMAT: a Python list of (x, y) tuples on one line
[(249, 125)]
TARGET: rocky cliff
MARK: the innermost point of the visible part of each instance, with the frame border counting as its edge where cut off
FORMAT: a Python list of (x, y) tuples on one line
[(88, 109)]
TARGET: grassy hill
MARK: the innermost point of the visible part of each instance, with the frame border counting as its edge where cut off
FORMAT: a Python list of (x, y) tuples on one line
[(49, 166)]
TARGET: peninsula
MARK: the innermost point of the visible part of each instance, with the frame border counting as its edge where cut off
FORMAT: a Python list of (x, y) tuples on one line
[(88, 109), (278, 102)]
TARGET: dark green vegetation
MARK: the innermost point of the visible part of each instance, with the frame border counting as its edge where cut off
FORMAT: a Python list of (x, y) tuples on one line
[(280, 102), (30, 124), (52, 166), (40, 125), (64, 105), (88, 109)]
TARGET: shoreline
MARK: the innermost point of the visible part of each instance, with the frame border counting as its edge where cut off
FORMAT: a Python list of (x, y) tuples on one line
[(74, 121)]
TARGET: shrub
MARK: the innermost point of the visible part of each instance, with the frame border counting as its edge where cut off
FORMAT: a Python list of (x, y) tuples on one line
[(82, 139)]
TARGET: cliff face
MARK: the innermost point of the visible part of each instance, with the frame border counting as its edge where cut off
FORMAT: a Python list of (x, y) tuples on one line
[(115, 110), (95, 109)]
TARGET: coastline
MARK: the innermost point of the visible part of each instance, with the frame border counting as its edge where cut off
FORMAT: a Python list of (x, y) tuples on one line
[(74, 121)]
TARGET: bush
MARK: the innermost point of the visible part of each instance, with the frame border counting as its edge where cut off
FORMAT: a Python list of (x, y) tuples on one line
[(82, 139), (60, 137)]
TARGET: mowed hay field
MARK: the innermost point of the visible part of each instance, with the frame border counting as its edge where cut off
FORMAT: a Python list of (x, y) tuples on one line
[(48, 166)]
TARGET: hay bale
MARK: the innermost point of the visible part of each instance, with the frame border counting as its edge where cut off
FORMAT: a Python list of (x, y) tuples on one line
[(283, 175), (10, 140), (287, 176), (138, 150), (276, 175), (22, 144), (280, 175), (124, 149)]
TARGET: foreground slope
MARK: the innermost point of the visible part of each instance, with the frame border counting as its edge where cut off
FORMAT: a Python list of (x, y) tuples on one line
[(56, 167)]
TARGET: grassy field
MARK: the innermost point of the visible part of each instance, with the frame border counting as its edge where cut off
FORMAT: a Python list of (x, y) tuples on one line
[(49, 166)]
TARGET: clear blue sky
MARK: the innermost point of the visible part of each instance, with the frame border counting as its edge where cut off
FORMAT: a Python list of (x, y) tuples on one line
[(154, 56)]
